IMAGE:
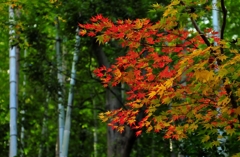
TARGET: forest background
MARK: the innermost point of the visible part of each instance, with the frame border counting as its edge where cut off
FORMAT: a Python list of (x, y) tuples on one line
[(54, 62)]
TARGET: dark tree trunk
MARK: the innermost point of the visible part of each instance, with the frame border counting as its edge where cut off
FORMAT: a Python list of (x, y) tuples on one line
[(118, 145)]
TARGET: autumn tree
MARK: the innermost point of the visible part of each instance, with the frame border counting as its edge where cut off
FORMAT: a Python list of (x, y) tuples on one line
[(182, 82)]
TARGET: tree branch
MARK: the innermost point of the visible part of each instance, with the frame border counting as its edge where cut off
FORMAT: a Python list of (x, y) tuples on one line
[(200, 32), (224, 10), (103, 61), (198, 29), (228, 89)]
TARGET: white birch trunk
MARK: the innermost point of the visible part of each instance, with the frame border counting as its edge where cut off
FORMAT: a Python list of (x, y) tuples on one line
[(13, 88), (70, 98), (216, 27), (215, 19), (60, 93)]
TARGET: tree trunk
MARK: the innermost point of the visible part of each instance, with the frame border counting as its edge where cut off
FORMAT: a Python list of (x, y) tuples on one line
[(22, 133), (67, 129), (216, 27), (95, 137), (119, 145), (43, 150), (60, 93), (13, 87)]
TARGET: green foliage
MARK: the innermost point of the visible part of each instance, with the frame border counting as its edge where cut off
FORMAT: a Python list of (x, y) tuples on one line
[(36, 31)]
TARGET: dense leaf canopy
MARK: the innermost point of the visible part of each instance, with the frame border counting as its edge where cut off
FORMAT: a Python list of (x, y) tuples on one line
[(178, 76)]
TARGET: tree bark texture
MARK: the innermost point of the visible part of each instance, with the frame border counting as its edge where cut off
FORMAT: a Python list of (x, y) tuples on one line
[(118, 145)]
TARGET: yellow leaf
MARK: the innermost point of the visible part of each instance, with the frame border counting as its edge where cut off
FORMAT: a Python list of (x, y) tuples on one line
[(156, 5), (200, 52), (108, 113), (233, 50), (222, 72), (220, 137), (175, 2), (120, 129), (205, 138), (227, 81), (100, 39), (208, 126), (173, 12), (53, 1), (138, 24), (200, 66), (222, 57), (102, 117), (238, 92), (131, 121), (224, 101), (193, 126), (158, 118), (157, 127), (169, 83), (186, 126), (223, 42), (216, 143), (166, 123), (194, 16), (166, 100), (204, 75), (230, 131), (161, 90), (237, 110), (198, 116), (168, 11), (135, 105), (149, 128), (147, 123), (152, 94), (151, 109), (196, 53)]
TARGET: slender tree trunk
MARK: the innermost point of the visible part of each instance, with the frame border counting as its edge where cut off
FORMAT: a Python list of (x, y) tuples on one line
[(22, 133), (43, 150), (216, 27), (60, 92), (57, 148), (67, 129), (119, 145), (95, 138), (172, 149), (13, 87)]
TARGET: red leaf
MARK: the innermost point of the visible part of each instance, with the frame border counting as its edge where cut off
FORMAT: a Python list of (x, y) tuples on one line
[(138, 133), (99, 17), (91, 34)]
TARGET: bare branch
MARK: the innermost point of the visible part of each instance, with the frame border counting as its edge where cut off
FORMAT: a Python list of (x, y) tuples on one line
[(200, 32), (224, 11)]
